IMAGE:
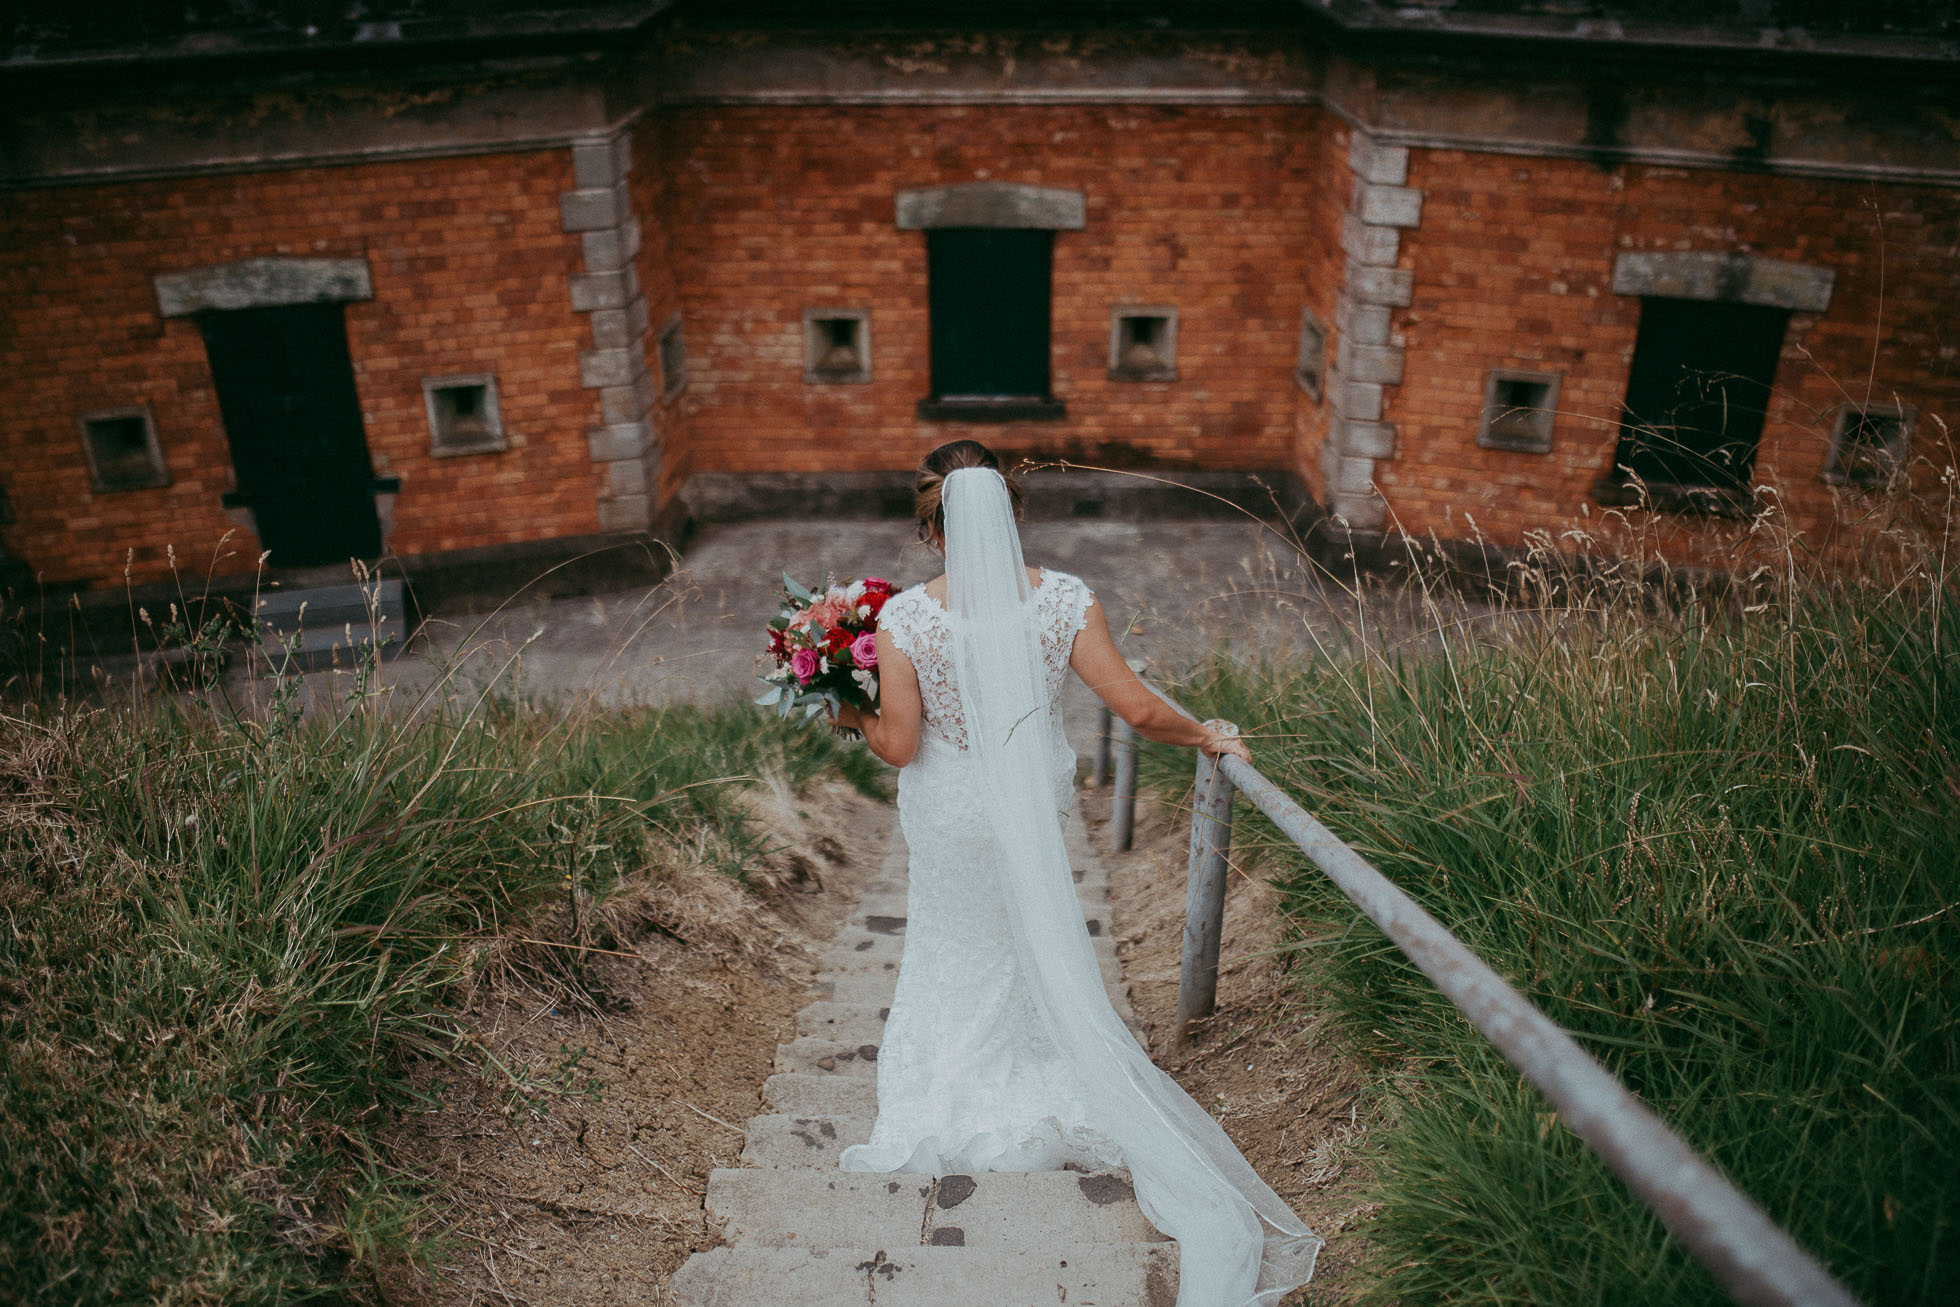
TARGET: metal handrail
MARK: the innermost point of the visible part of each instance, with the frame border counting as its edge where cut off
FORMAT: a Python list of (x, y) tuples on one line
[(1733, 1238)]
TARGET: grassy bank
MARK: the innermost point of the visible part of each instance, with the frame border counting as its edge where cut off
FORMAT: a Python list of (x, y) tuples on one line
[(1722, 849), (224, 942)]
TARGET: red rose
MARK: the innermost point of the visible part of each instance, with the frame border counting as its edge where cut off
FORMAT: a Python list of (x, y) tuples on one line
[(837, 638), (878, 584), (875, 601)]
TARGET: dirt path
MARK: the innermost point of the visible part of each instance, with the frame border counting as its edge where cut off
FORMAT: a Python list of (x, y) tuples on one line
[(587, 1189)]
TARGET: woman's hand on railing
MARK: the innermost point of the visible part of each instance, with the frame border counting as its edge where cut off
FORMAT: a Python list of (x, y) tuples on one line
[(1223, 741)]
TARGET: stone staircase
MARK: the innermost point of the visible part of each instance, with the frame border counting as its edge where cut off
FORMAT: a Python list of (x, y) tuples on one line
[(800, 1231)]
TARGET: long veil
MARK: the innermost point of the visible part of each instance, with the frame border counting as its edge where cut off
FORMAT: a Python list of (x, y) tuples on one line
[(1238, 1242)]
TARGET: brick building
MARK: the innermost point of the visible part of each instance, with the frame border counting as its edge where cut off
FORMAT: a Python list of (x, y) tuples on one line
[(470, 281)]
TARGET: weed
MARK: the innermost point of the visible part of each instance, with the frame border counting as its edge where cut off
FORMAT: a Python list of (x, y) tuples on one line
[(231, 935), (1714, 835)]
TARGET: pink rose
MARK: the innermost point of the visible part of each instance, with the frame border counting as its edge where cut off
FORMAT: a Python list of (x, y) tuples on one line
[(864, 650), (803, 664)]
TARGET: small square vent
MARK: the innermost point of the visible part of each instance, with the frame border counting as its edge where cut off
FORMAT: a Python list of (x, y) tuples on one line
[(122, 450), (1143, 344), (464, 416)]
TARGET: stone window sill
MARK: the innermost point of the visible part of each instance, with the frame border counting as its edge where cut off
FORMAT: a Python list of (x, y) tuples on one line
[(1668, 497), (991, 408)]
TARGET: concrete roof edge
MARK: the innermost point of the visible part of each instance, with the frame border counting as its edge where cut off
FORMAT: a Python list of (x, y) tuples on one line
[(1362, 20), (537, 31)]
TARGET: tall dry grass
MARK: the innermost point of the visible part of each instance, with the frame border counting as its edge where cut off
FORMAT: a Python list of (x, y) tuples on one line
[(1710, 824), (227, 937)]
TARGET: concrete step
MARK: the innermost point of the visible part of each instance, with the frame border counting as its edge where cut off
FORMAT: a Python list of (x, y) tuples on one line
[(1015, 1210), (1098, 1275), (887, 940), (875, 988), (864, 922), (815, 1092), (861, 947), (804, 1140), (852, 1023), (829, 1057), (858, 964), (868, 987)]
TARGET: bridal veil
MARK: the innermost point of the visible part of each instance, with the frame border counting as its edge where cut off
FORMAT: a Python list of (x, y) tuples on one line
[(1238, 1242)]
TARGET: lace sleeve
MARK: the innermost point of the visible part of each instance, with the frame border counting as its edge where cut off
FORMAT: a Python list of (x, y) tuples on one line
[(895, 620), (1080, 601)]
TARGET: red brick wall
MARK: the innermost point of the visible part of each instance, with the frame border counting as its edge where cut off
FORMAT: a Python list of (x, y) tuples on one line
[(469, 268), (778, 210), (1513, 267), (653, 202), (1325, 269)]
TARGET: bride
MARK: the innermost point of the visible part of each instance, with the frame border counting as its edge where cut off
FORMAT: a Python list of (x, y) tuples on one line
[(1001, 1051)]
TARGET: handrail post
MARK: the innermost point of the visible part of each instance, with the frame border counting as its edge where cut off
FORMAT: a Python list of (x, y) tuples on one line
[(1204, 895), (1123, 808), (1099, 751)]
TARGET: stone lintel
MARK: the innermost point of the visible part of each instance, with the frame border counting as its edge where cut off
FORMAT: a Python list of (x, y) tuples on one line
[(263, 283), (991, 204), (1733, 278)]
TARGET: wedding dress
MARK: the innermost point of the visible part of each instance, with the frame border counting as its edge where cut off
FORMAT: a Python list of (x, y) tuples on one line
[(1001, 1050)]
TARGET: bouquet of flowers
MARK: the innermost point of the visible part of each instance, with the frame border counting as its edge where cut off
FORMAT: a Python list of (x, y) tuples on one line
[(824, 647)]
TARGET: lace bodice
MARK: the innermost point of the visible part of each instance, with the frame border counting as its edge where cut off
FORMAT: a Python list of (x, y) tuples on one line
[(922, 629)]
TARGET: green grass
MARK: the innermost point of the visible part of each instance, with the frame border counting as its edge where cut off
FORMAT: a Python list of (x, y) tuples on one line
[(1721, 849), (225, 942)]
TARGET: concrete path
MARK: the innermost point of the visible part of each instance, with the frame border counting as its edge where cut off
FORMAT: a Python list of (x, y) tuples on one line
[(798, 1230), (1171, 589)]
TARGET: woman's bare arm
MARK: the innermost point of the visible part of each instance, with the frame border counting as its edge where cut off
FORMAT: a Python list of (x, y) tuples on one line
[(893, 731), (1100, 664)]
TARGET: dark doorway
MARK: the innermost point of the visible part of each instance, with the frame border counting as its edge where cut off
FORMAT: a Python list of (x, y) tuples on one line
[(988, 292), (286, 390), (1697, 394)]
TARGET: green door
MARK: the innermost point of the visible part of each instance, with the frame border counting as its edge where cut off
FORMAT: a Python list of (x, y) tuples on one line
[(286, 391), (1698, 391)]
